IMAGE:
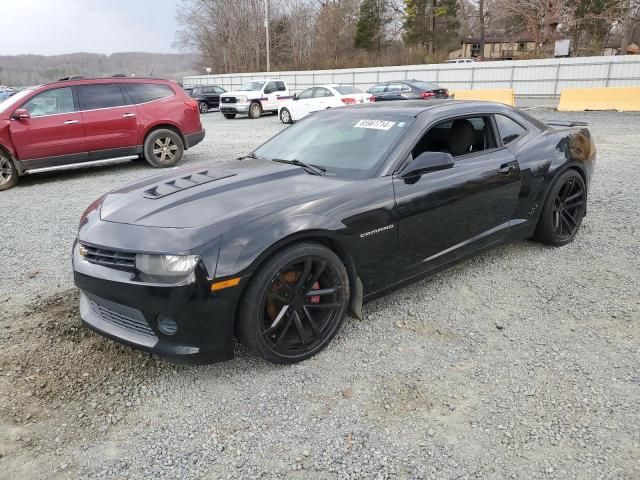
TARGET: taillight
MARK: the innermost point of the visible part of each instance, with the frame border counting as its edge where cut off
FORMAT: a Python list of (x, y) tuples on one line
[(192, 104), (427, 94), (372, 99), (348, 100)]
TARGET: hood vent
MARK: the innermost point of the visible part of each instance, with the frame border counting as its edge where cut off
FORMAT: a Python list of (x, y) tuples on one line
[(183, 183)]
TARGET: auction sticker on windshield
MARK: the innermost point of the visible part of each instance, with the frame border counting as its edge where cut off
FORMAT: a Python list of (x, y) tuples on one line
[(375, 124)]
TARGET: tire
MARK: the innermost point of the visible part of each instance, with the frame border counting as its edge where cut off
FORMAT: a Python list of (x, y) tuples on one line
[(163, 148), (8, 172), (229, 116), (285, 116), (563, 210), (203, 107), (280, 318), (255, 110)]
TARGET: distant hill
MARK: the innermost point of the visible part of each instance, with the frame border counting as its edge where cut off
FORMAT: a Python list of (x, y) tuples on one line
[(22, 70)]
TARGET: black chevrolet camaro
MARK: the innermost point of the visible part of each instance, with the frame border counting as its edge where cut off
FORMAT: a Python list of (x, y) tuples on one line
[(335, 210)]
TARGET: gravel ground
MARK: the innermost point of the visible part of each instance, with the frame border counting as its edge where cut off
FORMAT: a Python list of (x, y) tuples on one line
[(523, 362)]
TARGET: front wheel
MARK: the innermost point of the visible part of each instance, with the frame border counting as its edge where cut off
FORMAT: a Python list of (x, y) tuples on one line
[(229, 116), (285, 116), (295, 304), (255, 110), (8, 172), (204, 108), (563, 210), (163, 148)]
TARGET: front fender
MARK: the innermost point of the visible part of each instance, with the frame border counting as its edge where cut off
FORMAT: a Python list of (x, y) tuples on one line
[(242, 247)]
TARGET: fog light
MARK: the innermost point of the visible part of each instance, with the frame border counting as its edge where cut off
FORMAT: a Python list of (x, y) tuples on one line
[(167, 325)]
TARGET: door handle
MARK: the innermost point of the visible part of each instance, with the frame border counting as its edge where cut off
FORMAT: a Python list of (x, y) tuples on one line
[(127, 115), (507, 168), (71, 122)]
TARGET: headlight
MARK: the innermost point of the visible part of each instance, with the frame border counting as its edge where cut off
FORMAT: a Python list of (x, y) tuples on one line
[(166, 265), (241, 99)]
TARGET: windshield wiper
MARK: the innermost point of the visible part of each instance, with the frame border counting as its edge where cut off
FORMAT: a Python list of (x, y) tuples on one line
[(313, 169)]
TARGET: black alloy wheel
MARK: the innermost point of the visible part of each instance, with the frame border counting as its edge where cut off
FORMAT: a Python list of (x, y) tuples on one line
[(204, 108), (563, 210), (295, 304)]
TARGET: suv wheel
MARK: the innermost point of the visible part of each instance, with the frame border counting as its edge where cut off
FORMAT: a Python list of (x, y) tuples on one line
[(163, 148), (8, 172), (204, 108), (255, 110)]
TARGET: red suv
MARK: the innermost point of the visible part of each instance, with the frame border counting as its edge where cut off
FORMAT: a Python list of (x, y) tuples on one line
[(83, 121)]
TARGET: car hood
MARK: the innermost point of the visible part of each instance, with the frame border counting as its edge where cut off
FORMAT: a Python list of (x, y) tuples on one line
[(200, 196)]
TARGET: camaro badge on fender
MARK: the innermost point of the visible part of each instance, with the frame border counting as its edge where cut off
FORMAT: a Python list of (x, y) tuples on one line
[(377, 230)]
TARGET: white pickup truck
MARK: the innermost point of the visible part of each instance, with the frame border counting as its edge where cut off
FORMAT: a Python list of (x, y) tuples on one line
[(254, 98)]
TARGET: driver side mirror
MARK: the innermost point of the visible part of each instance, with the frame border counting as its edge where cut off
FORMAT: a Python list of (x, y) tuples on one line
[(428, 162), (21, 114), (295, 96)]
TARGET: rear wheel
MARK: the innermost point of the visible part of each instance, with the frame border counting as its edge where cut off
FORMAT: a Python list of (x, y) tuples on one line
[(563, 210), (204, 108), (8, 172), (255, 110), (295, 304), (229, 116), (285, 116), (163, 148)]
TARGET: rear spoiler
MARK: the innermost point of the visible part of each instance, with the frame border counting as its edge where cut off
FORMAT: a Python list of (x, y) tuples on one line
[(565, 123)]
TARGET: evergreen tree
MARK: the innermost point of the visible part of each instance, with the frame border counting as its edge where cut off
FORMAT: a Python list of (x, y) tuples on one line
[(370, 26), (431, 23)]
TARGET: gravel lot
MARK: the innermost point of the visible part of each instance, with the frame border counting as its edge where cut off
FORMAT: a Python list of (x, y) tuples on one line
[(521, 363)]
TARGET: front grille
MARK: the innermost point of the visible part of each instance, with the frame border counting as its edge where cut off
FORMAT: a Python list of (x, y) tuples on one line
[(109, 258), (137, 325), (229, 99)]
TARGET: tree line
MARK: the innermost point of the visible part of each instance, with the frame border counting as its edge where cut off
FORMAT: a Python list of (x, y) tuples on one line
[(317, 34)]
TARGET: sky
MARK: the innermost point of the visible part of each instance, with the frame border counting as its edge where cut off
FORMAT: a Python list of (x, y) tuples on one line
[(52, 27)]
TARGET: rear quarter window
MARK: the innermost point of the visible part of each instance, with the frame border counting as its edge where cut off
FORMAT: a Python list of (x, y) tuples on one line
[(148, 92)]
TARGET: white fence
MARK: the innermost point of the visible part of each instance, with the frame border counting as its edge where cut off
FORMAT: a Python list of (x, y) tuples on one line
[(528, 78)]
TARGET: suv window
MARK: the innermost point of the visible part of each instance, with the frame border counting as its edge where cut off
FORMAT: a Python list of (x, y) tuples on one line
[(270, 86), (51, 102), (219, 89), (281, 86), (460, 136), (147, 92), (509, 129), (308, 93), (377, 89), (106, 95), (208, 90)]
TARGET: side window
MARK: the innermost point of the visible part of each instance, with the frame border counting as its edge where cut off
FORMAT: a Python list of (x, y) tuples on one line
[(51, 102), (459, 136), (219, 90), (406, 88), (394, 87), (321, 92), (509, 129), (377, 89), (100, 96), (308, 93), (147, 92), (270, 86), (281, 86), (208, 90)]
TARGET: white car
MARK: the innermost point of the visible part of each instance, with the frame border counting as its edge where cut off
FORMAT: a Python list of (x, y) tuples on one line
[(321, 97), (255, 98)]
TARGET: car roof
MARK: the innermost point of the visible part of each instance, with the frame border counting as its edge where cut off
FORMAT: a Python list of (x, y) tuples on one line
[(87, 81), (415, 108)]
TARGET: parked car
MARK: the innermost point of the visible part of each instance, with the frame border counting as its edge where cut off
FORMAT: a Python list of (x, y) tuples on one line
[(81, 122), (321, 97), (255, 98), (407, 90), (207, 96), (336, 210)]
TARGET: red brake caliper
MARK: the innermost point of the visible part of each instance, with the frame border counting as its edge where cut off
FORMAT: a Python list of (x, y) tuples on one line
[(315, 298)]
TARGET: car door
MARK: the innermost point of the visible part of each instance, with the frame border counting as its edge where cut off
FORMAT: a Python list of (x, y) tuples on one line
[(320, 100), (302, 103), (446, 214), (54, 129), (111, 122), (270, 96)]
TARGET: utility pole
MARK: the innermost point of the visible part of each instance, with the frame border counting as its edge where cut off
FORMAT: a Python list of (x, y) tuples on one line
[(481, 12), (266, 27)]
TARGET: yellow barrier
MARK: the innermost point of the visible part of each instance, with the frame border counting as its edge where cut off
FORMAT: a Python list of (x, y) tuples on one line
[(502, 95), (624, 99)]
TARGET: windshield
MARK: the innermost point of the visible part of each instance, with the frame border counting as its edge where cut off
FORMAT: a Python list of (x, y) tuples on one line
[(247, 87), (342, 90), (14, 99), (349, 144)]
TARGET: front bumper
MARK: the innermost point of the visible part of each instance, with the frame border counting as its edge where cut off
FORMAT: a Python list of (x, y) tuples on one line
[(194, 138), (234, 108), (128, 312)]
